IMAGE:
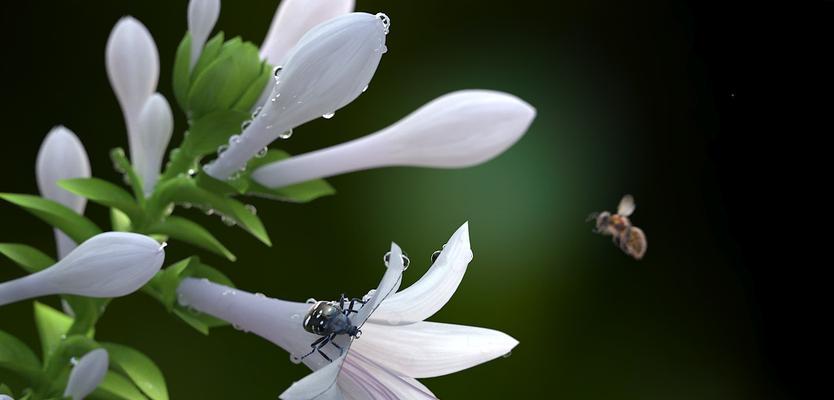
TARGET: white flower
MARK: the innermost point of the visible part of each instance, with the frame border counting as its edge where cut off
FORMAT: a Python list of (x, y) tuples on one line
[(328, 68), (110, 264), (460, 129), (86, 375), (5, 397), (154, 127), (293, 19), (133, 68), (202, 15), (396, 346), (62, 156)]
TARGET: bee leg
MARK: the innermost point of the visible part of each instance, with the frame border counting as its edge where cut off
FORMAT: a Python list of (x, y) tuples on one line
[(315, 346)]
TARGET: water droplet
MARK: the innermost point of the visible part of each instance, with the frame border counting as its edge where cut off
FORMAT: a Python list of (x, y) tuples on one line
[(227, 220), (277, 71), (256, 112), (509, 353), (286, 135), (295, 359), (222, 149), (73, 361), (311, 301), (364, 88), (262, 152), (259, 294), (406, 260), (210, 211), (245, 124), (63, 337), (434, 256), (169, 209), (295, 316), (236, 326), (251, 209), (234, 139), (383, 49), (181, 299), (386, 22), (357, 335), (367, 297), (192, 172), (328, 115), (186, 205)]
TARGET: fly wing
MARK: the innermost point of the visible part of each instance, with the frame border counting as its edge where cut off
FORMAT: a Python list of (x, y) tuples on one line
[(387, 286), (319, 385), (626, 206)]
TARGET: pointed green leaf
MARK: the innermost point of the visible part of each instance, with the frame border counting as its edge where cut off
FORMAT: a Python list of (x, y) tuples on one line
[(104, 193), (212, 130), (119, 221), (163, 286), (211, 50), (15, 356), (51, 324), (29, 258), (77, 227), (191, 232), (247, 101), (116, 387), (225, 80), (298, 193), (139, 368), (123, 166), (182, 73)]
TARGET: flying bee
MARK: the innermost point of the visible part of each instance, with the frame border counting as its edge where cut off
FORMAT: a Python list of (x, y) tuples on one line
[(630, 239)]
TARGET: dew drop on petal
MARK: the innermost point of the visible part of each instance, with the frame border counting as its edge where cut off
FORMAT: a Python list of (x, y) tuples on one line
[(295, 359), (234, 139), (73, 361), (383, 49), (509, 353), (311, 301), (386, 22), (406, 261), (364, 88), (435, 255), (256, 112), (286, 135), (245, 124), (328, 115), (277, 71), (259, 294), (222, 148), (295, 316), (262, 152)]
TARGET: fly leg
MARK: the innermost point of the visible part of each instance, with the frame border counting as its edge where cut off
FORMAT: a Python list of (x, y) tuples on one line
[(333, 342), (316, 346)]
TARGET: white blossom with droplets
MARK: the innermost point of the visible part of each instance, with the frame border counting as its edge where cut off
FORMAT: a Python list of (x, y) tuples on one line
[(87, 374), (62, 156), (293, 19), (110, 264), (328, 68), (460, 129), (154, 127), (202, 15), (396, 345)]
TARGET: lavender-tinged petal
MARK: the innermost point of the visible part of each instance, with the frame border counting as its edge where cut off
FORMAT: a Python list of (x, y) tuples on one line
[(202, 15), (87, 374), (364, 379), (429, 294), (293, 19), (319, 385), (154, 127), (429, 349), (388, 285), (460, 129)]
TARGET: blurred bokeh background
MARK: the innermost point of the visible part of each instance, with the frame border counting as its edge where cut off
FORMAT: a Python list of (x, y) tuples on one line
[(632, 97)]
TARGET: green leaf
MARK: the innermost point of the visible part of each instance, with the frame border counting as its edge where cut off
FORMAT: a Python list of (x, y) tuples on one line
[(212, 130), (119, 221), (116, 387), (298, 193), (17, 357), (182, 73), (256, 88), (163, 286), (5, 389), (191, 232), (225, 80), (211, 50), (77, 227), (123, 166), (87, 311), (51, 324), (104, 193), (139, 368), (29, 258)]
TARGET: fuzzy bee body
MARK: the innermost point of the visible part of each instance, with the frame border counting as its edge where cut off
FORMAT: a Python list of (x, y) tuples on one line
[(630, 239)]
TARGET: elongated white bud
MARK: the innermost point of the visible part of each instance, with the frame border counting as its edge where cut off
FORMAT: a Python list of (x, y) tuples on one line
[(133, 68), (202, 15), (329, 67), (457, 130), (293, 19), (110, 264), (87, 374), (62, 156), (154, 127)]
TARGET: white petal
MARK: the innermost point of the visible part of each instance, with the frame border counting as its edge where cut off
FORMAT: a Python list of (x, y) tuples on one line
[(329, 67), (202, 15), (154, 127), (388, 285), (62, 156), (4, 397), (429, 294), (362, 379), (133, 68), (110, 264), (319, 385), (460, 129), (275, 320), (293, 19), (87, 374), (428, 349)]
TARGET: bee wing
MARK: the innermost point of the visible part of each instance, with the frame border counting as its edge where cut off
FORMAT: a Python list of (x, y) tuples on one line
[(319, 385), (626, 206), (636, 243)]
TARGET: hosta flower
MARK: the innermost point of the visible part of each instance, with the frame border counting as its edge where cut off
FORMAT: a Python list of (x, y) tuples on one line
[(132, 64), (110, 264), (396, 345), (86, 374), (328, 68), (62, 156), (293, 19), (202, 15), (457, 130)]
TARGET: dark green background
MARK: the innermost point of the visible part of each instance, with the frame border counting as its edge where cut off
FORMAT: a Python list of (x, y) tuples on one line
[(632, 97)]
